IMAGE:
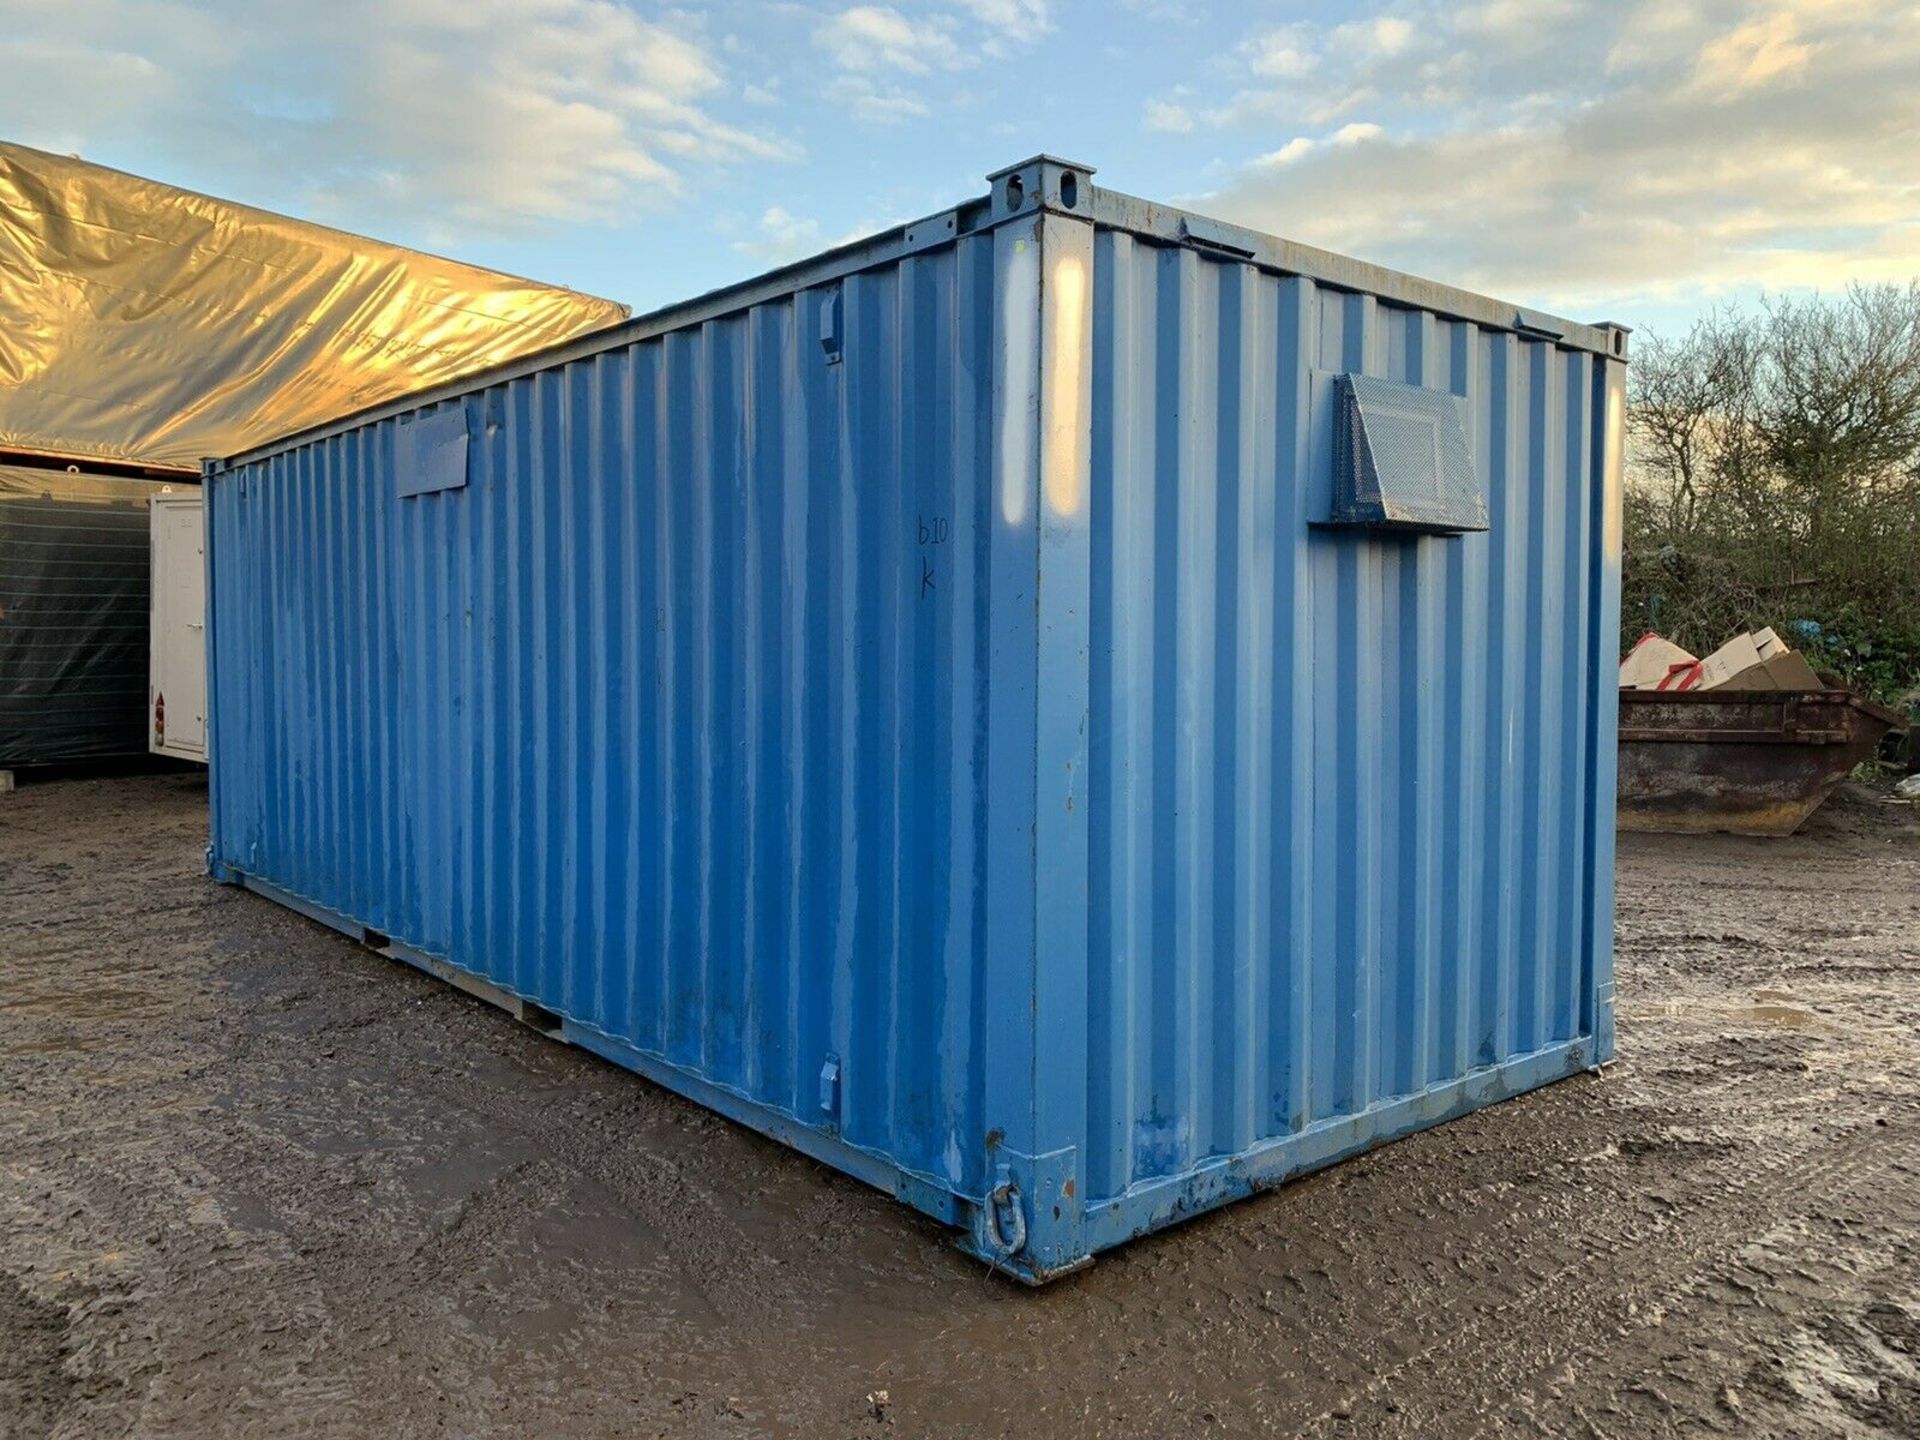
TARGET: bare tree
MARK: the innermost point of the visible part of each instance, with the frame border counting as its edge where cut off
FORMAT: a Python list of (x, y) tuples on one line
[(1776, 479)]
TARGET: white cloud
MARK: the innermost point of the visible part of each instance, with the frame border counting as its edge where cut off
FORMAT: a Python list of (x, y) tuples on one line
[(1505, 19), (868, 45), (1654, 35), (1719, 143), (1024, 17), (1761, 52), (1281, 54), (877, 39), (489, 113), (1167, 117), (1006, 25), (782, 237), (874, 104), (1173, 12), (1293, 150), (1383, 35)]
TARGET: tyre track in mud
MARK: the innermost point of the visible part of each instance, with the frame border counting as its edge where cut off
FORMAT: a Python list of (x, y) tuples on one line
[(265, 1179), (1618, 1285), (572, 1116)]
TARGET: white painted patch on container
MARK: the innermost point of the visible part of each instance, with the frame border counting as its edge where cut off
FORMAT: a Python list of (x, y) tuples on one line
[(1020, 369), (1067, 398)]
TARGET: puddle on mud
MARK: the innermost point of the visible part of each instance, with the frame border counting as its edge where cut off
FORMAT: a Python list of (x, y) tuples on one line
[(1772, 1009), (1790, 1016)]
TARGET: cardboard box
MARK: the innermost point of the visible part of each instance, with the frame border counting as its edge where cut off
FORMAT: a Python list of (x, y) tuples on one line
[(1783, 670), (1736, 657), (1651, 661)]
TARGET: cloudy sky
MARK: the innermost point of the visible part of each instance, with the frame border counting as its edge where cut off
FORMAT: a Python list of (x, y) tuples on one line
[(1603, 158)]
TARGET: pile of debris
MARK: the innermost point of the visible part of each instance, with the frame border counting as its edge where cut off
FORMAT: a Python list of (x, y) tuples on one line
[(1757, 660)]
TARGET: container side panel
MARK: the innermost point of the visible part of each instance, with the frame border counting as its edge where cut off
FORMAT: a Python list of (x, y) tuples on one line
[(672, 719), (1342, 846), (926, 714)]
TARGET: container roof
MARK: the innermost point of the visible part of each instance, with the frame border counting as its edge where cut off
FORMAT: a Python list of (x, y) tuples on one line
[(150, 325)]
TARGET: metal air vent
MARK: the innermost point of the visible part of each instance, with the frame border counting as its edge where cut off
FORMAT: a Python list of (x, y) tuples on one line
[(1400, 459)]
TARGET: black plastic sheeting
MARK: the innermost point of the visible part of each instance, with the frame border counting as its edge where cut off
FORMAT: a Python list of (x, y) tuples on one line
[(74, 600)]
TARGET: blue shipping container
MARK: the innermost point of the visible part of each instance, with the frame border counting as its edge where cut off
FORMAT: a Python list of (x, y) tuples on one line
[(1069, 711)]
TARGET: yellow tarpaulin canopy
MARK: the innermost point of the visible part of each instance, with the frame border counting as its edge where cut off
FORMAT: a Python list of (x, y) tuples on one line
[(150, 325)]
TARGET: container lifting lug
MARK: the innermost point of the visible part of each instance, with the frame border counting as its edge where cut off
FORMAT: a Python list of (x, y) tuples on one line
[(1011, 1238), (830, 1088)]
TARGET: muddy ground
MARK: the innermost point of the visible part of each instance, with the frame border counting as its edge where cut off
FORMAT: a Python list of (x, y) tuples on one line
[(255, 1179)]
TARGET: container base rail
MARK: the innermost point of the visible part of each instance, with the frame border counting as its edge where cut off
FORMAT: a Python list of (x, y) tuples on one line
[(993, 1226)]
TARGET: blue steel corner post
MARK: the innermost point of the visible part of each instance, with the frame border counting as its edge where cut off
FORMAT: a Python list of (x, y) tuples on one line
[(933, 703), (1610, 446), (1029, 1220)]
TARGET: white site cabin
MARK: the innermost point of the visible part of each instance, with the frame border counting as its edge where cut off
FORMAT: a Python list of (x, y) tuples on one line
[(177, 663)]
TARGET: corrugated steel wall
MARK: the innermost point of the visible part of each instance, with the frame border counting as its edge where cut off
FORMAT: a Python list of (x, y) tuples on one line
[(1341, 834), (778, 718), (673, 718)]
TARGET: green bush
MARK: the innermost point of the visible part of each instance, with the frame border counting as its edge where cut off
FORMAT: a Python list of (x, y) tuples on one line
[(1775, 480)]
